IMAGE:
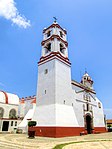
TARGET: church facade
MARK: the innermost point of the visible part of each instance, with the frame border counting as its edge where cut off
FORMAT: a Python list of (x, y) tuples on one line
[(64, 107)]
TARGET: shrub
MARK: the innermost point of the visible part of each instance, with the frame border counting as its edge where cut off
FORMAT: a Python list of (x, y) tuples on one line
[(108, 125), (32, 123)]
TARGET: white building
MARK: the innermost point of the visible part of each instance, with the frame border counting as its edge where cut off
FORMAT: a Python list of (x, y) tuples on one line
[(26, 104), (15, 111), (8, 112), (64, 107), (26, 111)]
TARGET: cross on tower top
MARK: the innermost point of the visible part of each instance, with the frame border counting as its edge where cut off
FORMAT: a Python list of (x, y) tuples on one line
[(55, 19)]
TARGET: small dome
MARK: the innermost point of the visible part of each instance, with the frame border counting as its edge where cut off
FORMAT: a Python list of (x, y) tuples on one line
[(9, 98), (86, 75)]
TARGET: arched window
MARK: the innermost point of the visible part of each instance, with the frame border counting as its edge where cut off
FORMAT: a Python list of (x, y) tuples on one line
[(48, 48), (48, 33), (61, 34), (12, 113), (1, 112), (62, 48)]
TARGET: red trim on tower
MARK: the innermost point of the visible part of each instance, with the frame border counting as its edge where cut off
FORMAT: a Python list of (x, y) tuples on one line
[(99, 130), (51, 55), (55, 25), (6, 97), (52, 38), (55, 53), (52, 59), (57, 132)]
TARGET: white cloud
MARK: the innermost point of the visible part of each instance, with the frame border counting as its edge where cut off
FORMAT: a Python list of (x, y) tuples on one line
[(9, 11)]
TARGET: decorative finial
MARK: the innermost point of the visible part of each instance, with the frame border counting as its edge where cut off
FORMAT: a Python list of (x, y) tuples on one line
[(55, 19), (85, 70)]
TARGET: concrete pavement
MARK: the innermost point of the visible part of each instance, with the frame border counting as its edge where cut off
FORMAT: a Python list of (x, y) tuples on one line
[(21, 141)]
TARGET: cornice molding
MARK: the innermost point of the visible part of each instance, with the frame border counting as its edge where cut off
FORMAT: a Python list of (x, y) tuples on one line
[(54, 55), (55, 25), (52, 38)]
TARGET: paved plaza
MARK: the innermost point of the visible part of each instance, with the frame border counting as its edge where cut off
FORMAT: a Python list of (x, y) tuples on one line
[(21, 141)]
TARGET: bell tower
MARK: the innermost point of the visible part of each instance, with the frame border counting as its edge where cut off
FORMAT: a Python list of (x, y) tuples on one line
[(54, 67), (54, 90), (54, 40), (87, 81)]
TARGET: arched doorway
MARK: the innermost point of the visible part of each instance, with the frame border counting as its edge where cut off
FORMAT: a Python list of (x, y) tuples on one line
[(88, 124)]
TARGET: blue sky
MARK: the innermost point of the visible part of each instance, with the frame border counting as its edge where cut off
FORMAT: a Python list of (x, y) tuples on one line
[(89, 27)]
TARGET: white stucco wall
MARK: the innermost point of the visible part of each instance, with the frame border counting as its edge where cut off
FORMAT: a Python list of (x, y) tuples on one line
[(63, 90), (46, 84), (55, 115), (66, 116), (45, 115), (98, 115)]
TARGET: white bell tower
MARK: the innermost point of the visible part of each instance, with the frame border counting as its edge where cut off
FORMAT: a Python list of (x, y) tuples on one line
[(54, 67), (54, 90)]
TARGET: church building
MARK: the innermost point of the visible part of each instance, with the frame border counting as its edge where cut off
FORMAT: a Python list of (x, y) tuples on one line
[(64, 107), (9, 104), (15, 111)]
